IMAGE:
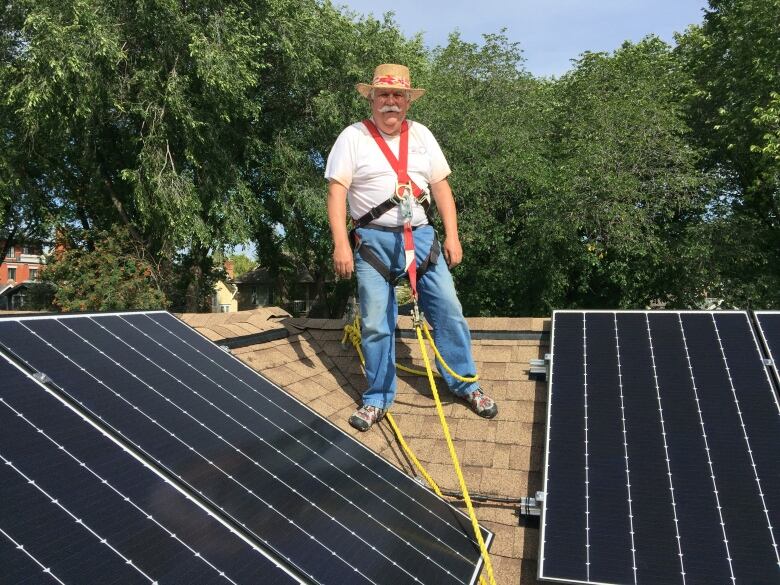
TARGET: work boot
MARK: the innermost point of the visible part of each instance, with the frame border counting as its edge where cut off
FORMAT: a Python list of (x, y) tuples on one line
[(365, 416), (482, 404)]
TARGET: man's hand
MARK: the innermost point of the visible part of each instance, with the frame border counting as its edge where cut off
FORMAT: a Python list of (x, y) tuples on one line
[(452, 250), (343, 262)]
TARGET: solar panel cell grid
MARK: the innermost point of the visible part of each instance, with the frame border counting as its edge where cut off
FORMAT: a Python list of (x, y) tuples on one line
[(76, 508), (326, 505), (673, 420)]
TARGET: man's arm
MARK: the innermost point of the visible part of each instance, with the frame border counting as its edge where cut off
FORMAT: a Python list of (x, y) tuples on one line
[(445, 203), (343, 262)]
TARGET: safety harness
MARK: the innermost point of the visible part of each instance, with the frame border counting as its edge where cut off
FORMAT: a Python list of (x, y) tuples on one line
[(406, 192)]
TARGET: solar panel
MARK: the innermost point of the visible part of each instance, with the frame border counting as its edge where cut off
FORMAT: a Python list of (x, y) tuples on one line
[(328, 507), (76, 508), (769, 329), (661, 451)]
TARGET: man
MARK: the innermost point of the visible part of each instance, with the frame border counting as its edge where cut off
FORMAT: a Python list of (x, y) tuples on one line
[(369, 166)]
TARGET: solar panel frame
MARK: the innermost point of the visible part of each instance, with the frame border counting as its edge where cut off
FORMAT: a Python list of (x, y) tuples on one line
[(40, 415), (745, 349), (768, 326), (324, 424)]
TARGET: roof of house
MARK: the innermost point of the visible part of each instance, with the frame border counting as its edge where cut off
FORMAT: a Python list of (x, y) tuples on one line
[(501, 458), (13, 288), (262, 276)]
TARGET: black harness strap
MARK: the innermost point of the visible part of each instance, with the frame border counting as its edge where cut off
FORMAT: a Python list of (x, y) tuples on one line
[(386, 206), (373, 260)]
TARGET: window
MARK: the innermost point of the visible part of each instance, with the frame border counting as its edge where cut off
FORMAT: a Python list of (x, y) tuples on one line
[(12, 273), (18, 300), (33, 274), (26, 249), (224, 308), (12, 252), (259, 297)]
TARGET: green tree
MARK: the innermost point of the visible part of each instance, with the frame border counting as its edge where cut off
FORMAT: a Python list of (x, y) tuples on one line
[(116, 274), (143, 114), (241, 264), (581, 191), (620, 226), (195, 125), (328, 52), (491, 119), (733, 109)]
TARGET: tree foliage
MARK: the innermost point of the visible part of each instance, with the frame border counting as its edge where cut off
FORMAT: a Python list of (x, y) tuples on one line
[(491, 119), (628, 197), (142, 114), (734, 110), (115, 275), (184, 129), (241, 264), (581, 192)]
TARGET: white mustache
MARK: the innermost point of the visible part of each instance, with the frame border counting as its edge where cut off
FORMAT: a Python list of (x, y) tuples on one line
[(385, 109)]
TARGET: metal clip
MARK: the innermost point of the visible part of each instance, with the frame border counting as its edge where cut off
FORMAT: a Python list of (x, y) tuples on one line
[(417, 315), (407, 209)]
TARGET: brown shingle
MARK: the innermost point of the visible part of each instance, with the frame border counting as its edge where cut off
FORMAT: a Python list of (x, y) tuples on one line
[(477, 429), (508, 483), (504, 541), (492, 371), (501, 456), (517, 410), (281, 375), (487, 353)]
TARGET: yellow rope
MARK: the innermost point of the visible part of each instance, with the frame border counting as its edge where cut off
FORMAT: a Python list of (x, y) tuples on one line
[(441, 359), (415, 372), (455, 462), (352, 332)]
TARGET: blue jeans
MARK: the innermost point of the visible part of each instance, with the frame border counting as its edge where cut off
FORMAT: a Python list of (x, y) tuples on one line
[(379, 314)]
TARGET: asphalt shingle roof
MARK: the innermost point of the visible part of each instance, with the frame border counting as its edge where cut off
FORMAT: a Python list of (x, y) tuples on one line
[(502, 457)]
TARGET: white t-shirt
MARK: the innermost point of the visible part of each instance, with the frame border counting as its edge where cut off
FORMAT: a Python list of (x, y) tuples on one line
[(356, 162)]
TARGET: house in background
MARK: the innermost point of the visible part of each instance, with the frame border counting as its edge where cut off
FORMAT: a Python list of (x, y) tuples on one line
[(258, 288), (224, 299), (21, 268)]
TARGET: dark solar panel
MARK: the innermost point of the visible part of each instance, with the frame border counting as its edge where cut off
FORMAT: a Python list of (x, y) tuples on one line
[(77, 508), (325, 504), (769, 330), (662, 463)]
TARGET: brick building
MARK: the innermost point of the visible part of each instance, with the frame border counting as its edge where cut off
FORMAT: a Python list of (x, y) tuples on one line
[(23, 263), (21, 266)]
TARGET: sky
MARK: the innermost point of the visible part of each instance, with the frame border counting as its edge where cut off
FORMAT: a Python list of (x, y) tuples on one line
[(550, 32)]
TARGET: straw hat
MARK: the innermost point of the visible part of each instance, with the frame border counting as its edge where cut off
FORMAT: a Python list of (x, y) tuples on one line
[(390, 76)]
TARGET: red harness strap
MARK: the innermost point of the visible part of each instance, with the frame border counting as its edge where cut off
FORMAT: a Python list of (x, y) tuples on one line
[(403, 183), (399, 166)]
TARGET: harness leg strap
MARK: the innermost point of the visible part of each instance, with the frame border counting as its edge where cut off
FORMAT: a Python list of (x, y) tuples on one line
[(373, 260), (430, 259)]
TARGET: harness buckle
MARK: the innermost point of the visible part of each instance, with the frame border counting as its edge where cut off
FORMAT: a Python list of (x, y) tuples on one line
[(401, 189)]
